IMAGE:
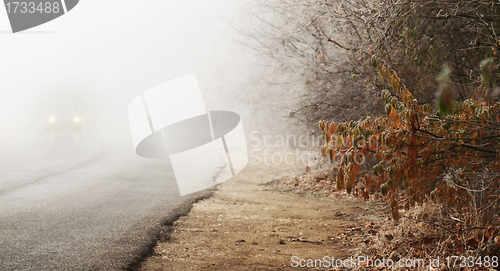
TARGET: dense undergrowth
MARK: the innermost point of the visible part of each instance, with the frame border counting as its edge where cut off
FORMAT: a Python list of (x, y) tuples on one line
[(432, 66)]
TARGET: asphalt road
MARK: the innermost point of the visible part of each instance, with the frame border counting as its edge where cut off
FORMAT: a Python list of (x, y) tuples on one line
[(74, 201)]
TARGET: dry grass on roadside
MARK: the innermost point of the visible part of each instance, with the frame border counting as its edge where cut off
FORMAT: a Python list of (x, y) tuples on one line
[(419, 234)]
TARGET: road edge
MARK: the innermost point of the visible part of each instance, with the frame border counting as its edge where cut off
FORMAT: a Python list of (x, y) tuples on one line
[(163, 231)]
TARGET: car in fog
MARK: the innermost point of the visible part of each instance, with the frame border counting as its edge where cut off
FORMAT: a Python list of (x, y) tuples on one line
[(63, 116)]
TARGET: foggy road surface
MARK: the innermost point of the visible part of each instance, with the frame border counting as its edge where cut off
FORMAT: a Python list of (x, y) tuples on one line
[(72, 201)]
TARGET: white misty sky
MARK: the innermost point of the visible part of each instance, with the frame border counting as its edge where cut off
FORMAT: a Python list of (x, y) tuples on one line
[(103, 53)]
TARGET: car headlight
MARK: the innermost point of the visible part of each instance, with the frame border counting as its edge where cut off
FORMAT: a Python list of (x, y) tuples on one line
[(52, 119), (77, 119)]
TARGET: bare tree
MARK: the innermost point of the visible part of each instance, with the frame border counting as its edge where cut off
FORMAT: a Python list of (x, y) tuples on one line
[(313, 49)]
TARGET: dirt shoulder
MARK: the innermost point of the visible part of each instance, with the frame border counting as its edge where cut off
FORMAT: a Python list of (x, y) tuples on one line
[(248, 225)]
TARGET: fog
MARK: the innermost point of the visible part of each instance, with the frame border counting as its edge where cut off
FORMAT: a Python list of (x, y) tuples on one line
[(102, 54), (84, 200)]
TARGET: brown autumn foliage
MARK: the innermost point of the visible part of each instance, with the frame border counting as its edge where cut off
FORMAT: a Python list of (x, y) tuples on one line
[(448, 155), (435, 74)]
